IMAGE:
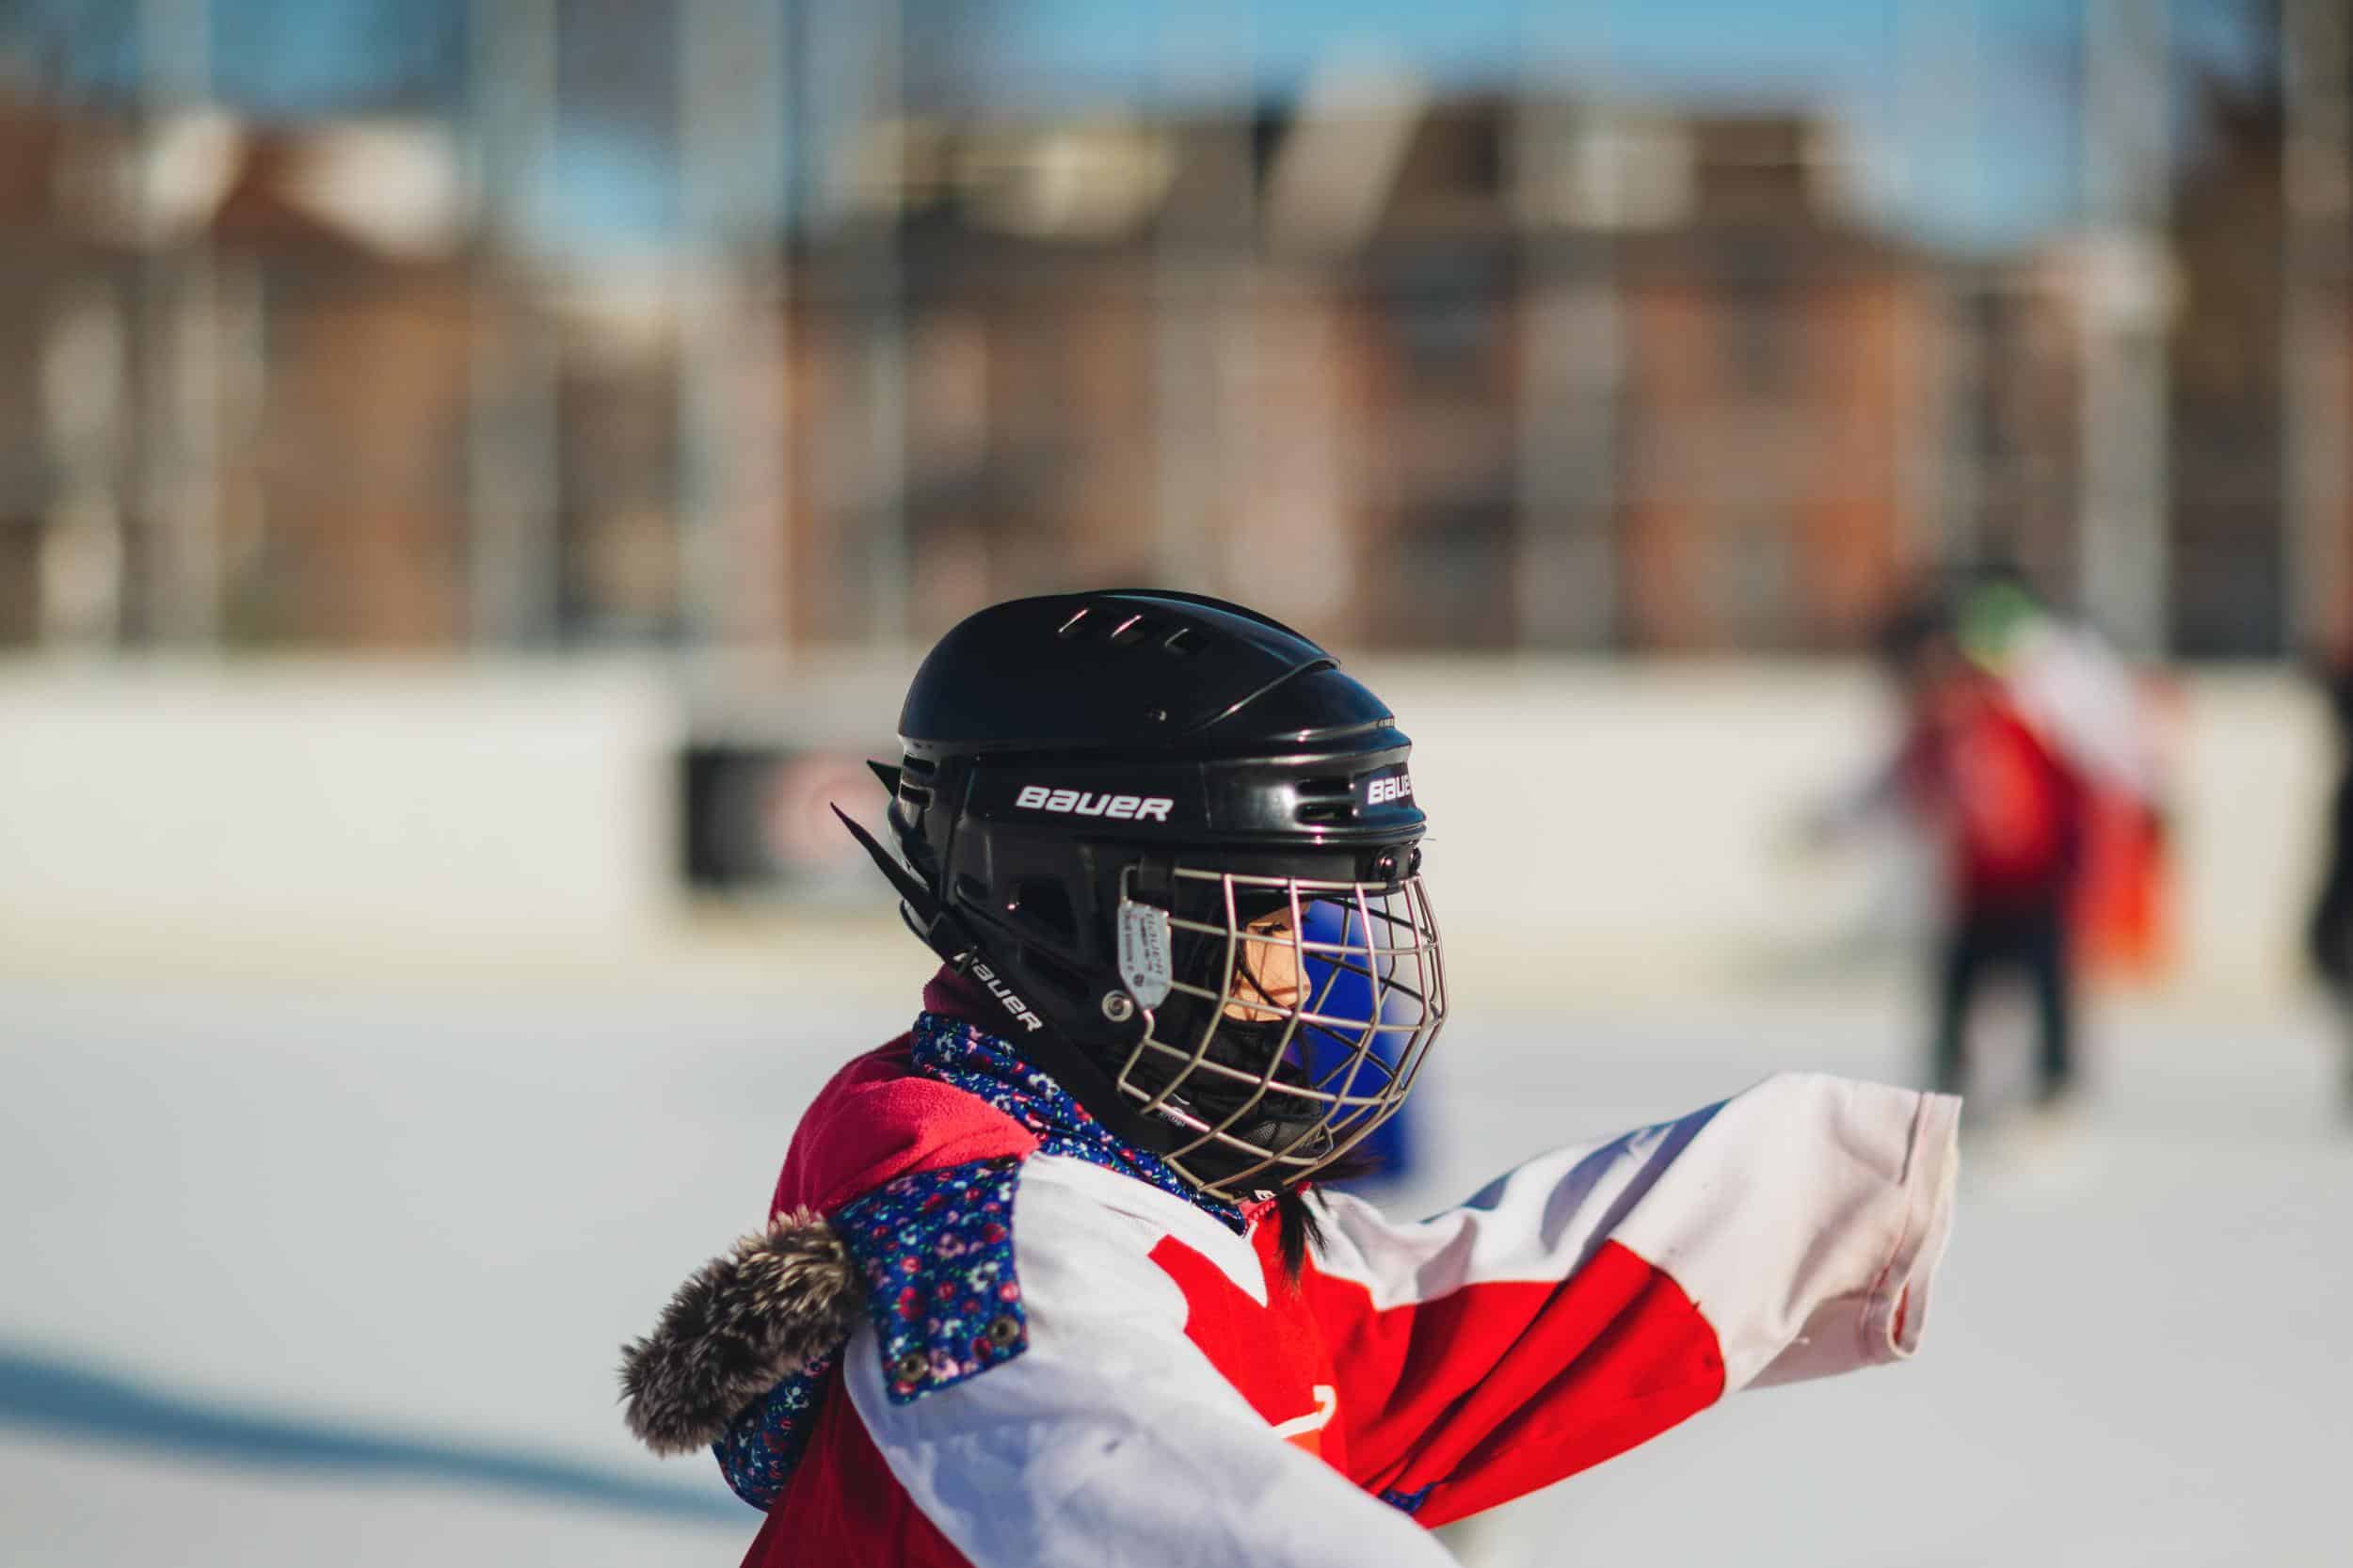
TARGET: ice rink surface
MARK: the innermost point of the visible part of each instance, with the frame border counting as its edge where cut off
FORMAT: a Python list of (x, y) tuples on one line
[(337, 1272)]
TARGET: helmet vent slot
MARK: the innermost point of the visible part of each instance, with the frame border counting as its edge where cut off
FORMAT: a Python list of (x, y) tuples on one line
[(915, 794), (922, 767), (1325, 800), (1134, 630)]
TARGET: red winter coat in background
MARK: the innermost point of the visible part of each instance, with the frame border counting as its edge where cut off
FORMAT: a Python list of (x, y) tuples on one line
[(2010, 810)]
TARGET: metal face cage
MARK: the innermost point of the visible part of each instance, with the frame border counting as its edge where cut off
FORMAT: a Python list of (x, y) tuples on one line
[(1298, 1014)]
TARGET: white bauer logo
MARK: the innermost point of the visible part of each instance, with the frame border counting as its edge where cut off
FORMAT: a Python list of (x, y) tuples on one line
[(1031, 1022), (1086, 803), (1382, 791)]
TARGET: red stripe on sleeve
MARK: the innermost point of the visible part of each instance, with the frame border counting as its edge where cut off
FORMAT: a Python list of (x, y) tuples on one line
[(1500, 1388)]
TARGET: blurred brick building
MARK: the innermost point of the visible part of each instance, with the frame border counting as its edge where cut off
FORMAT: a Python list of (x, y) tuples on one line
[(1433, 394), (1466, 373), (223, 363)]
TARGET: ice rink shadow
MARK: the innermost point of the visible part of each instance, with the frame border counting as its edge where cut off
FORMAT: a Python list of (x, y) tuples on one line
[(54, 1394)]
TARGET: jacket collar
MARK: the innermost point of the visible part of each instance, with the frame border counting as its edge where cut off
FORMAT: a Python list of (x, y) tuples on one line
[(949, 1046)]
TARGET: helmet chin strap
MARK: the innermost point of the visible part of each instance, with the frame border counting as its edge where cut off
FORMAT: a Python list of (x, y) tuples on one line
[(949, 936)]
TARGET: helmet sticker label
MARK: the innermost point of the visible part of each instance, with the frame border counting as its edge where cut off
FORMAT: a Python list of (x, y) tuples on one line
[(1145, 966), (1089, 803), (1389, 788)]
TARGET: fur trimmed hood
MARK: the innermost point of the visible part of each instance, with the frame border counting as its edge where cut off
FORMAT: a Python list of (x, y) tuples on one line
[(742, 1324), (778, 1307)]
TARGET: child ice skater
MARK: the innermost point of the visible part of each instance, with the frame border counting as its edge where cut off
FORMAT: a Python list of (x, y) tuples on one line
[(1047, 1280)]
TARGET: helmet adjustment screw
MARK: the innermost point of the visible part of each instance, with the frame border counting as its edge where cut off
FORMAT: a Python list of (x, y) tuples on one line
[(1156, 716), (1118, 1006)]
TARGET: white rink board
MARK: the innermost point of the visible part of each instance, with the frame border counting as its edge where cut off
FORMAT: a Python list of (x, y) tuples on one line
[(1636, 816), (155, 811)]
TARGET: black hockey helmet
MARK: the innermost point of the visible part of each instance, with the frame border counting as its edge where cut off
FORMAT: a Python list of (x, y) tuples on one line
[(1180, 848)]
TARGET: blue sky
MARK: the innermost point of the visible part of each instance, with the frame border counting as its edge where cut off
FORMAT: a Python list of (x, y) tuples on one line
[(1967, 107), (1970, 103), (1970, 100)]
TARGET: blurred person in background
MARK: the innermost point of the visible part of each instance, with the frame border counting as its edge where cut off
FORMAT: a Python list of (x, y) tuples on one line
[(2007, 809), (2329, 934), (2083, 700)]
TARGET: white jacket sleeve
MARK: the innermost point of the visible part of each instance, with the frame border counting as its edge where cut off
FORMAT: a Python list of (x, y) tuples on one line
[(1600, 1293), (1805, 1219)]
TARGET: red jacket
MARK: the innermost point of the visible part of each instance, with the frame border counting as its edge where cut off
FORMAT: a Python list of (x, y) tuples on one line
[(2010, 808)]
